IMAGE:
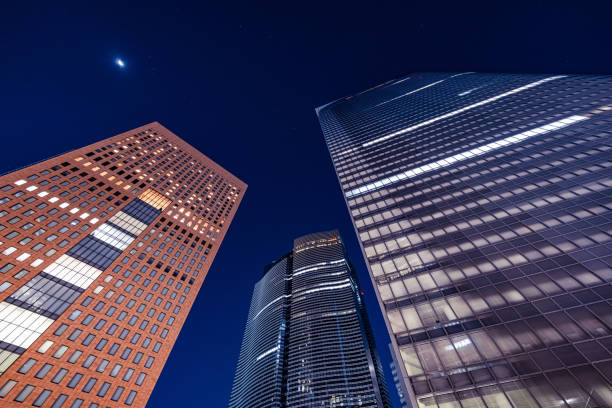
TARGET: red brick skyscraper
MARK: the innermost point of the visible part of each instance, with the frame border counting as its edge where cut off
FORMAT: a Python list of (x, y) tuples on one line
[(102, 253)]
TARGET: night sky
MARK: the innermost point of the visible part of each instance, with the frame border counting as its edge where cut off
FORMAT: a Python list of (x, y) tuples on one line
[(240, 82)]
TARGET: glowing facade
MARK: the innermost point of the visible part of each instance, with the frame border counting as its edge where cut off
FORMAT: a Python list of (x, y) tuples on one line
[(482, 205), (104, 250), (307, 340)]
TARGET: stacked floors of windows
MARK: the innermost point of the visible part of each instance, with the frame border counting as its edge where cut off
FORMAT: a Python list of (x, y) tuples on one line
[(259, 379), (307, 340), (482, 204), (102, 260), (331, 358)]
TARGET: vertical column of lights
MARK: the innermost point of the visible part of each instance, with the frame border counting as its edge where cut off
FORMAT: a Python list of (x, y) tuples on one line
[(30, 310)]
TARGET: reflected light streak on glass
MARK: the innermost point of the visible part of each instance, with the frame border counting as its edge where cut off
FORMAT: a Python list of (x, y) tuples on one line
[(461, 110), (510, 140)]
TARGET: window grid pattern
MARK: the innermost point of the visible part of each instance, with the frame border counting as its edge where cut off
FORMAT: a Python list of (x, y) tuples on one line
[(493, 268), (307, 340), (100, 310)]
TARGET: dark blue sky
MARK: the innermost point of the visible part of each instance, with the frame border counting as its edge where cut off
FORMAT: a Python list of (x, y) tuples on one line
[(240, 82)]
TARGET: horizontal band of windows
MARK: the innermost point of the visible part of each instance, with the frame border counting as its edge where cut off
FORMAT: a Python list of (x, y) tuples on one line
[(73, 271), (48, 313), (473, 197), (447, 330), (6, 359), (11, 348), (407, 192), (141, 211), (94, 252), (45, 296), (113, 236), (117, 227), (127, 223), (21, 327), (60, 281), (388, 278)]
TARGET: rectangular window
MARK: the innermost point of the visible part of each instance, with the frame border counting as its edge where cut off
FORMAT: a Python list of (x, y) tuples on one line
[(104, 389), (88, 339), (115, 370), (89, 385), (41, 398), (75, 380), (130, 398), (7, 387), (89, 360), (59, 402), (75, 356), (26, 366), (59, 376), (128, 374), (44, 370), (60, 330), (24, 393), (75, 334), (117, 394), (141, 378), (101, 344), (102, 366), (60, 351)]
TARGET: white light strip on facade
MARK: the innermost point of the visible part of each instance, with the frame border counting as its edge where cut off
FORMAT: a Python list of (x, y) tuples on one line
[(317, 267), (319, 264), (461, 110), (401, 96), (270, 304), (113, 236), (340, 313), (419, 89), (19, 326), (321, 289), (469, 91), (128, 223), (459, 344), (267, 353), (73, 271), (408, 93), (510, 140)]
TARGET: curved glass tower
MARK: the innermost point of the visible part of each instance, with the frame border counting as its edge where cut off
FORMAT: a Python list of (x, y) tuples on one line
[(260, 373), (482, 205), (308, 341)]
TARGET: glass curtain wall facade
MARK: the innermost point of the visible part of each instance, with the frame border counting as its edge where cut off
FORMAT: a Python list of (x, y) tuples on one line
[(104, 250), (260, 379), (398, 381), (308, 341), (482, 206)]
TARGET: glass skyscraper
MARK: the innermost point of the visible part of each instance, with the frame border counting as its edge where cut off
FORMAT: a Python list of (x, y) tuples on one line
[(482, 206), (307, 340)]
